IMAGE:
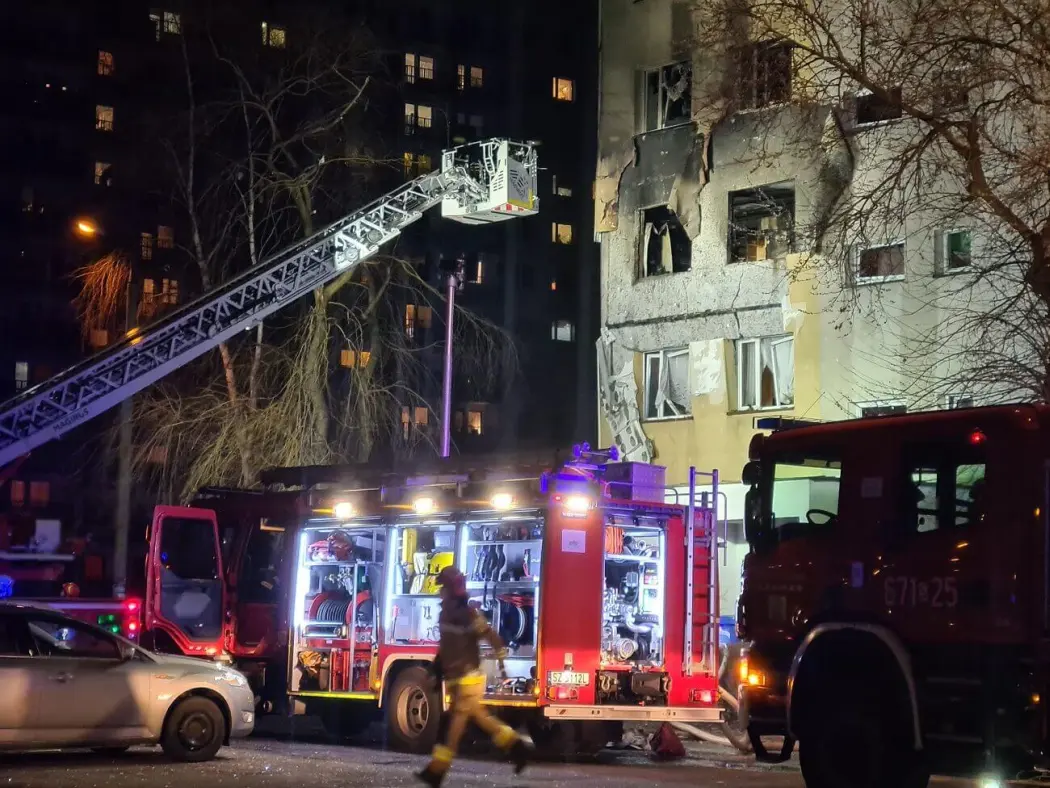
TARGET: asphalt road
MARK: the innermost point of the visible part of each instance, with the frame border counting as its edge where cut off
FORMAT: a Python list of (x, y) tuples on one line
[(261, 763)]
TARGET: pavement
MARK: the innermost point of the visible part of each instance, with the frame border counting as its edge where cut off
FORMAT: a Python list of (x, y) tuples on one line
[(304, 758)]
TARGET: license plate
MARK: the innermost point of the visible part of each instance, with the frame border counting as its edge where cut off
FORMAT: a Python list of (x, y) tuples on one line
[(564, 677)]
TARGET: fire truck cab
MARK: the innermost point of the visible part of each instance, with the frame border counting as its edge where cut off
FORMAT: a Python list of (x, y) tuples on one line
[(895, 599)]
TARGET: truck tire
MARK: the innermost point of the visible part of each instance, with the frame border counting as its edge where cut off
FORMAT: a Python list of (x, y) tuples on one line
[(859, 745), (413, 712), (194, 730)]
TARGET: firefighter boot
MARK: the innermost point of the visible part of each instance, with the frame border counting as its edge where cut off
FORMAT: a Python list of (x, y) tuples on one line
[(520, 754), (431, 776)]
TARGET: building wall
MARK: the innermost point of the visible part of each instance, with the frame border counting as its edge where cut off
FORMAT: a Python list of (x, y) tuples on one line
[(853, 345)]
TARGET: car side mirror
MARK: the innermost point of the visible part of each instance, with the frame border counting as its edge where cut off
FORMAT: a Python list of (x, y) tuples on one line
[(751, 474)]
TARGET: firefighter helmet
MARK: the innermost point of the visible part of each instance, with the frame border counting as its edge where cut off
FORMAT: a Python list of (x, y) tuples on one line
[(451, 578)]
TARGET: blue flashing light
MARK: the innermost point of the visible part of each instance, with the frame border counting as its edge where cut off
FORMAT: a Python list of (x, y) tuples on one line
[(545, 483), (614, 453), (7, 587)]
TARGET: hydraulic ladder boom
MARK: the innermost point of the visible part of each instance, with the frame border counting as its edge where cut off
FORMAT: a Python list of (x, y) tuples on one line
[(484, 181)]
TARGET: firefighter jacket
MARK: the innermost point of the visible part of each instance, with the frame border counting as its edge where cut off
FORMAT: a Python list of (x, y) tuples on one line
[(462, 630)]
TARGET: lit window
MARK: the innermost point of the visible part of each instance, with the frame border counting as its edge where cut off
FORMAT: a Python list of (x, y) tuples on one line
[(424, 163), (562, 89), (554, 285), (880, 263), (761, 223), (99, 338), (273, 36), (408, 160), (480, 275), (103, 118), (165, 238), (39, 493), (172, 23), (474, 422), (18, 493), (461, 77), (563, 331), (146, 246), (422, 417), (426, 67), (105, 63), (101, 168), (424, 117), (354, 358), (667, 384), (21, 374), (765, 372), (169, 291), (410, 67), (149, 290), (477, 76), (154, 18), (417, 317), (561, 233), (955, 253), (410, 118)]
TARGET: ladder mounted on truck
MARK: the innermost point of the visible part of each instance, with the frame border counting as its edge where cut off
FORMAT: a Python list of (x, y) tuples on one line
[(702, 582), (481, 182)]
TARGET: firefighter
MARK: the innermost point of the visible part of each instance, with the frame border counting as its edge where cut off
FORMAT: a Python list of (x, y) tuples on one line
[(459, 665)]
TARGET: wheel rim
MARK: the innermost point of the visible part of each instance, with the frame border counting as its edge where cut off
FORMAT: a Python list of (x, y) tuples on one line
[(413, 712), (196, 731)]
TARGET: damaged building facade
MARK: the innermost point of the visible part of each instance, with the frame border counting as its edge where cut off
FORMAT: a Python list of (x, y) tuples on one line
[(710, 314)]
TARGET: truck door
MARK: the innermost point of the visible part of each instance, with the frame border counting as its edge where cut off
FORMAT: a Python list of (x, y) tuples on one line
[(185, 590)]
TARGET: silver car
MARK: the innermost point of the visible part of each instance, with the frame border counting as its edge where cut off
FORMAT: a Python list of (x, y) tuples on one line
[(68, 684)]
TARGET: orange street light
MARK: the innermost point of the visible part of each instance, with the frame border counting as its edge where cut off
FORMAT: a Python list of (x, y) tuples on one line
[(87, 227)]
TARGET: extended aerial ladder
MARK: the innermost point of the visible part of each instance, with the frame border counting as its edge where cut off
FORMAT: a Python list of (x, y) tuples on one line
[(480, 182)]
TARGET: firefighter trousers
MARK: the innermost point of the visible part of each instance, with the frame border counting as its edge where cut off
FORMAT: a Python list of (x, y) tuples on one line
[(466, 707)]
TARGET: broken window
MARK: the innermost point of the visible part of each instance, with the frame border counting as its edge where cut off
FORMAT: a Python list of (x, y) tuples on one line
[(880, 262), (667, 384), (872, 108), (955, 250), (765, 372), (563, 331), (667, 94), (666, 249), (765, 71), (761, 223)]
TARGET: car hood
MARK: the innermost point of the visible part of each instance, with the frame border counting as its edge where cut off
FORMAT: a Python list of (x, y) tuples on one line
[(187, 663)]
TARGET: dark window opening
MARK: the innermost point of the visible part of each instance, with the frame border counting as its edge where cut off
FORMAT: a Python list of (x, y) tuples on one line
[(881, 262), (761, 223), (872, 108), (666, 248), (942, 491), (869, 411), (668, 96), (765, 71)]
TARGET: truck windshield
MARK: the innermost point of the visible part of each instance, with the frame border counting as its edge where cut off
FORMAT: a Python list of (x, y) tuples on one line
[(805, 494)]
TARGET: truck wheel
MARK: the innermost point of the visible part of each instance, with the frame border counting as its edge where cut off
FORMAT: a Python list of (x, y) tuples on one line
[(413, 711), (194, 730), (849, 746)]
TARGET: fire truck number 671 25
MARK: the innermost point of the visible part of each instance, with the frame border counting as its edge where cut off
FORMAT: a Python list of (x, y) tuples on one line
[(936, 592)]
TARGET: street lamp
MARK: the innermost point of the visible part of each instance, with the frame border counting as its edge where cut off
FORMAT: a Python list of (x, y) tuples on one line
[(87, 228)]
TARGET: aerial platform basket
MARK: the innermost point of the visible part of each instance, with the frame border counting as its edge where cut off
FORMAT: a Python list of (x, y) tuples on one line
[(509, 171)]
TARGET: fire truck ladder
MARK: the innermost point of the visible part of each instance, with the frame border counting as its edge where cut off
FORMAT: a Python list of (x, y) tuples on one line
[(702, 627), (467, 193)]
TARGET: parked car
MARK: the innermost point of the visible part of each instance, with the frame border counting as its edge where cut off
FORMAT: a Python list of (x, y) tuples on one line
[(67, 684)]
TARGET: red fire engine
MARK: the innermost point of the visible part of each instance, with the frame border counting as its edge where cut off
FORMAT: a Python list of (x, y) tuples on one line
[(604, 592), (895, 597)]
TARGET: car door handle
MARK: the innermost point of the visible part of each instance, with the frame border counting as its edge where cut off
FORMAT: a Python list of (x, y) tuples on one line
[(62, 678)]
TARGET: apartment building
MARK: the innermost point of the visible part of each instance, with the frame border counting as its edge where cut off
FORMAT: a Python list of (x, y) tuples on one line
[(713, 310)]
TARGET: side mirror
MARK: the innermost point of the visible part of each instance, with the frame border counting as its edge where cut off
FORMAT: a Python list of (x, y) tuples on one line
[(751, 474)]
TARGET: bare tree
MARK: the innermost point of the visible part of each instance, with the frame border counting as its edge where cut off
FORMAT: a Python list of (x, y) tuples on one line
[(263, 158), (919, 124)]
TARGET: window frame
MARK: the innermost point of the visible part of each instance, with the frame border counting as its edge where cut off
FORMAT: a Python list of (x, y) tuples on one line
[(860, 407), (106, 63), (558, 83), (858, 252), (69, 623), (753, 50), (425, 71), (102, 123), (664, 355), (661, 73), (944, 256), (756, 342), (951, 399), (557, 234), (864, 93), (557, 325), (938, 457)]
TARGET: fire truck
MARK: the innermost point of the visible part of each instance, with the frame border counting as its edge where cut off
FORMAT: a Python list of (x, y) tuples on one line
[(895, 600), (604, 592)]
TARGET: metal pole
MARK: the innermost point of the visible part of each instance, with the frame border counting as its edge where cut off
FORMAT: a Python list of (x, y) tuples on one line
[(122, 525), (446, 387)]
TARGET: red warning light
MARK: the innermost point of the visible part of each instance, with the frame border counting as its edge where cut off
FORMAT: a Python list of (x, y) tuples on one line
[(977, 438), (132, 626), (132, 605)]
